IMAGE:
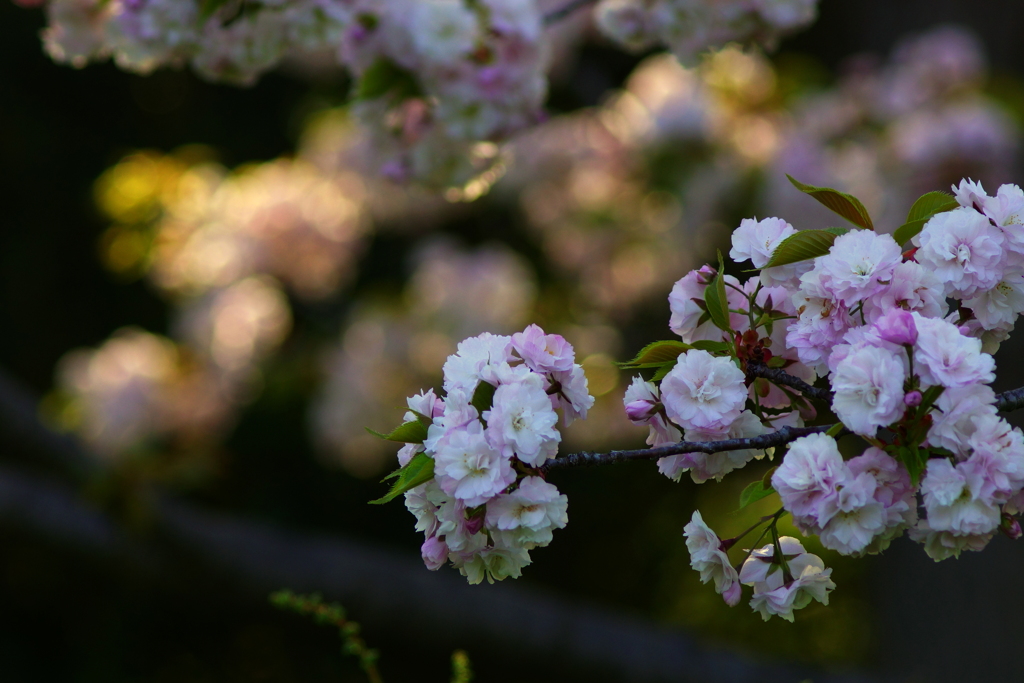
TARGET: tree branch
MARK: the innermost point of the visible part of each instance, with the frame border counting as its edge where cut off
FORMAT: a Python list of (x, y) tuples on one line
[(1010, 400), (1005, 402), (555, 16), (779, 438), (783, 378)]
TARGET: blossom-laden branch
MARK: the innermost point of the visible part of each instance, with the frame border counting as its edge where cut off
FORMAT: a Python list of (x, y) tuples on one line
[(778, 438), (781, 377), (1005, 402), (555, 16)]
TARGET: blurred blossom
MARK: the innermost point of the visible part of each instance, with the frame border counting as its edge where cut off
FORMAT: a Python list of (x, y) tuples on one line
[(282, 218), (134, 388), (366, 377), (387, 355), (237, 326), (889, 132), (465, 293)]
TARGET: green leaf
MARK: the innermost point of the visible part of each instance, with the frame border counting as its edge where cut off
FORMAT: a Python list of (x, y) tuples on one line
[(408, 432), (908, 231), (915, 460), (846, 205), (383, 77), (483, 396), (711, 346), (927, 205), (754, 492), (806, 244), (714, 297), (921, 212), (418, 470), (656, 354), (662, 371)]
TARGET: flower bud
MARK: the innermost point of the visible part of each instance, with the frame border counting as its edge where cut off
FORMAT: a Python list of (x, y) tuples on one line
[(706, 274), (897, 327), (474, 524), (641, 411), (434, 552), (1011, 527), (913, 399)]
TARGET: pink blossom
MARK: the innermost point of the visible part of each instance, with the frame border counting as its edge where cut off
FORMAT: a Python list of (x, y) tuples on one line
[(686, 313), (944, 357), (756, 241), (913, 288), (703, 392), (709, 559), (521, 421), (434, 552), (897, 327), (953, 421), (808, 479), (467, 467), (543, 352), (963, 249), (703, 466), (868, 390), (955, 499), (572, 395), (859, 265)]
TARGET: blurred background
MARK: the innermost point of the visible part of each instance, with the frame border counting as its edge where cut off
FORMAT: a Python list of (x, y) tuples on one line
[(210, 299)]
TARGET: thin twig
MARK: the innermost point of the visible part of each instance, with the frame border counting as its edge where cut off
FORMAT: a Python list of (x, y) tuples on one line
[(555, 16), (780, 376)]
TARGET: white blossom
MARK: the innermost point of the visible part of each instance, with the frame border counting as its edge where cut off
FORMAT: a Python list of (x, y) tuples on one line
[(709, 559)]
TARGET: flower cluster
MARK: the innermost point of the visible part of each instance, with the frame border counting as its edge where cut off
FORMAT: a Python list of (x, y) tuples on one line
[(704, 397), (487, 504), (439, 82), (688, 27), (436, 77), (904, 339), (782, 582)]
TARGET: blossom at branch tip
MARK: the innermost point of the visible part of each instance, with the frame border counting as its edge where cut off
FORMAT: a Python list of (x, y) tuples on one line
[(781, 588), (709, 559)]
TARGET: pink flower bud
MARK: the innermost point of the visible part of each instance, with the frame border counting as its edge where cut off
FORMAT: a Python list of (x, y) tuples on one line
[(965, 330), (706, 274), (733, 594), (1011, 527), (913, 399), (897, 327), (434, 552), (474, 524), (640, 412)]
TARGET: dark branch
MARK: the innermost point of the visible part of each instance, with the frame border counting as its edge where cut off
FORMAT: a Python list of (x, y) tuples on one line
[(783, 378), (779, 438), (1005, 402), (564, 11), (1010, 400)]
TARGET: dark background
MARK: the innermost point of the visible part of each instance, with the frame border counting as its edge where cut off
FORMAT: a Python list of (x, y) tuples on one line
[(68, 613)]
